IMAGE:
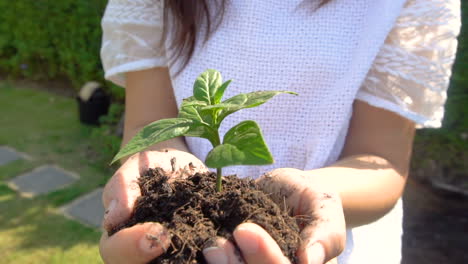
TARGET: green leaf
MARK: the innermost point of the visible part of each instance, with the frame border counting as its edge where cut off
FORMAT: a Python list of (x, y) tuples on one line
[(191, 108), (201, 124), (154, 133), (220, 92), (242, 101), (192, 101), (202, 120), (193, 113), (242, 145), (206, 85)]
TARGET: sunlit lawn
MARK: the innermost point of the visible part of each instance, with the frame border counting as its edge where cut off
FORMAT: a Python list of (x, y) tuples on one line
[(31, 232), (46, 127)]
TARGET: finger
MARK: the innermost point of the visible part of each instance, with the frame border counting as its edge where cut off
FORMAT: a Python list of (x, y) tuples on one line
[(184, 164), (174, 163), (222, 252), (257, 246), (122, 190), (318, 209), (282, 185), (137, 244), (325, 237)]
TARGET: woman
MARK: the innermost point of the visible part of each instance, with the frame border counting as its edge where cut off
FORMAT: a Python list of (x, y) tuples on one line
[(367, 71)]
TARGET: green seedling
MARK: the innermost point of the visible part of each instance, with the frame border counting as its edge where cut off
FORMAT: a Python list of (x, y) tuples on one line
[(201, 115)]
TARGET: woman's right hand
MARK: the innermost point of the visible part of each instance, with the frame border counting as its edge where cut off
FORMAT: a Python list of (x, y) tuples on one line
[(143, 242)]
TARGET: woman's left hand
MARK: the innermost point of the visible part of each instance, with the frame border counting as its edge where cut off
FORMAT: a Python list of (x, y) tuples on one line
[(323, 235)]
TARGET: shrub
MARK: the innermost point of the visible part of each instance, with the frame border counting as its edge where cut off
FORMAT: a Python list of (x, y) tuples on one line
[(43, 40)]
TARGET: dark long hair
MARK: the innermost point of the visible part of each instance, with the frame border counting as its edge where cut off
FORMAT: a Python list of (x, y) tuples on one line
[(187, 17)]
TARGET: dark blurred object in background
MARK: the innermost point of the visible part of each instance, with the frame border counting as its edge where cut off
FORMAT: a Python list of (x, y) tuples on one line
[(93, 103)]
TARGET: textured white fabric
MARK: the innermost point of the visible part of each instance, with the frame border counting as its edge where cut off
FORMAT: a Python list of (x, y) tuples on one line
[(411, 73), (326, 56), (132, 31)]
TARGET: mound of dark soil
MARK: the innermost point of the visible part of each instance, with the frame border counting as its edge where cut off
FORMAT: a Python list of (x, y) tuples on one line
[(194, 213)]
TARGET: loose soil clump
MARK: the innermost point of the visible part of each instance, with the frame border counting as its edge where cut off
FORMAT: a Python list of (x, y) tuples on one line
[(195, 214)]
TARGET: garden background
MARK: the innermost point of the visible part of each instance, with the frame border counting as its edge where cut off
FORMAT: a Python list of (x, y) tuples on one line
[(50, 49)]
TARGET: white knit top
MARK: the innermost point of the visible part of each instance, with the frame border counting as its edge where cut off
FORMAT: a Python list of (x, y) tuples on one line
[(393, 54)]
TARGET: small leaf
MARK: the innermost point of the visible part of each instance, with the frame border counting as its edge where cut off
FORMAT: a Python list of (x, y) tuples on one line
[(242, 145), (220, 92), (201, 122), (192, 101), (242, 101), (193, 113), (191, 108), (205, 86), (202, 132), (154, 133)]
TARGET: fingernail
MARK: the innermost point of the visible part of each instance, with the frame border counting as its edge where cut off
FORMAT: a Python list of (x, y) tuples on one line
[(110, 208), (215, 255), (315, 254), (154, 238), (248, 244)]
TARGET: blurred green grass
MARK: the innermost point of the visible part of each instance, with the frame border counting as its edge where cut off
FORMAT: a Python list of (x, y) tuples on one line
[(45, 127)]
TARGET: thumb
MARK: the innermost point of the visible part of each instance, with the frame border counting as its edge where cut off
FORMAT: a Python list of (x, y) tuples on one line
[(137, 244)]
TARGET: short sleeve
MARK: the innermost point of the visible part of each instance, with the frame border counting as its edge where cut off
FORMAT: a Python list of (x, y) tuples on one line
[(132, 32), (411, 72)]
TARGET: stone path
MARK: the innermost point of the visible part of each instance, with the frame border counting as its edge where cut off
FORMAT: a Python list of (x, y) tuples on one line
[(86, 209), (8, 155), (42, 180)]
